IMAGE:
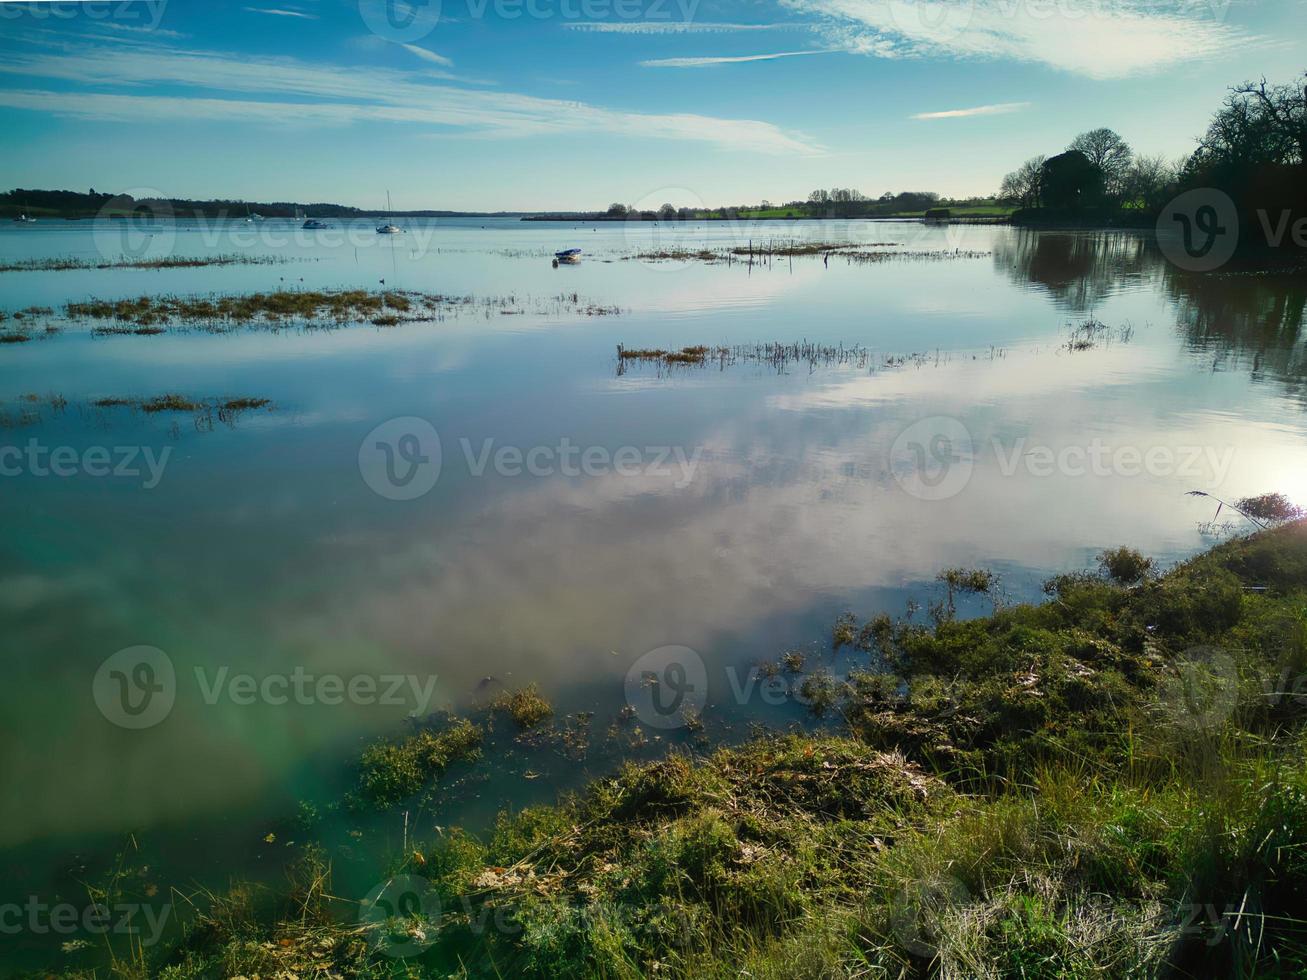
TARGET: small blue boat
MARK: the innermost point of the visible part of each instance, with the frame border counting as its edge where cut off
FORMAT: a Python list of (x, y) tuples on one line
[(567, 253)]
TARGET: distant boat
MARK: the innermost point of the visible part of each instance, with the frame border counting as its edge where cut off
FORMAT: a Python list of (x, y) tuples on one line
[(568, 253), (24, 218), (313, 224), (389, 228)]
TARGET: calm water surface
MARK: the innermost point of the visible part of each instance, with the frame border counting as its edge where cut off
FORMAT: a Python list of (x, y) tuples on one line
[(262, 549)]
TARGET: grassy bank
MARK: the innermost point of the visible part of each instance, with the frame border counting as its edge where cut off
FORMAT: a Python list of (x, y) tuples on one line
[(1108, 783)]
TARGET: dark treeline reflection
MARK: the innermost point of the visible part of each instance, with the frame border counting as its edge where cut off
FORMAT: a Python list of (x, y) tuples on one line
[(1252, 317), (1246, 316), (1077, 269)]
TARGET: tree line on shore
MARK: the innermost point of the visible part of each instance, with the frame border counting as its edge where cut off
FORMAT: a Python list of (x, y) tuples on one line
[(1254, 150)]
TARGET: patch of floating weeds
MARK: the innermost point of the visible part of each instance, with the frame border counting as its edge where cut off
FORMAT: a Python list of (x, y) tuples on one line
[(225, 410), (149, 315), (764, 253), (527, 706), (66, 263), (112, 329), (29, 407), (779, 356), (170, 403), (1092, 332), (241, 404), (392, 770)]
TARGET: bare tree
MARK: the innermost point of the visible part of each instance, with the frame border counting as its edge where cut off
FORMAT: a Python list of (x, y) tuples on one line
[(1259, 124), (1149, 181), (1109, 153), (1025, 184)]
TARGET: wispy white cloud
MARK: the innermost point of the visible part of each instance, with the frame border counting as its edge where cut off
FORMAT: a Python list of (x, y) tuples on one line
[(1098, 40), (997, 109), (673, 27), (705, 62), (278, 12), (425, 55), (140, 29), (286, 90)]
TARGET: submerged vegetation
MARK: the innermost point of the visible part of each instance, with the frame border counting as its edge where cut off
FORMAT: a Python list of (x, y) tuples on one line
[(147, 315), (32, 409), (527, 707), (393, 770), (70, 262), (1111, 783), (766, 252), (1093, 333), (776, 355)]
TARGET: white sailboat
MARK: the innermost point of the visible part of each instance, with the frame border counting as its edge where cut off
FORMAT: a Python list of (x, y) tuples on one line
[(389, 228)]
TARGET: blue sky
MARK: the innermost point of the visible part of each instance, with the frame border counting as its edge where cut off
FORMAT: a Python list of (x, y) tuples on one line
[(537, 104)]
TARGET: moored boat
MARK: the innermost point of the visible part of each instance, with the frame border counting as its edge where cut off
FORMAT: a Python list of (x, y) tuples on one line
[(389, 228)]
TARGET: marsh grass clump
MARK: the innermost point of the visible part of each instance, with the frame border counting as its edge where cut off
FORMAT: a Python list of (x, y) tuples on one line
[(305, 309), (820, 692), (123, 330), (527, 707), (1123, 565), (766, 253), (224, 410), (1091, 332), (780, 357), (962, 581), (393, 770), (169, 403), (244, 404), (65, 263)]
